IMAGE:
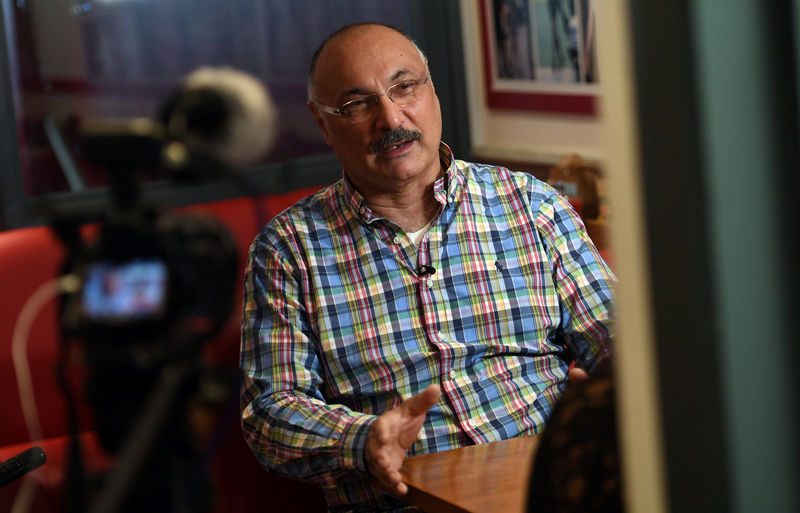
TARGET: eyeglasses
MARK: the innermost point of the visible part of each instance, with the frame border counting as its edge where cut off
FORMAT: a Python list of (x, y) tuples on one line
[(365, 107)]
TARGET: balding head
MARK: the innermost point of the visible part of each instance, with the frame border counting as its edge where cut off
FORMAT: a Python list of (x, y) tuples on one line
[(344, 31)]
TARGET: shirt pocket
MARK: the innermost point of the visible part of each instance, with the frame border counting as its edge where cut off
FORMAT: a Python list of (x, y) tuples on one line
[(521, 308)]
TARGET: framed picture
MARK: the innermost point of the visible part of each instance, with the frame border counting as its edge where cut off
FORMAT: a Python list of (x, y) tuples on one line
[(540, 55)]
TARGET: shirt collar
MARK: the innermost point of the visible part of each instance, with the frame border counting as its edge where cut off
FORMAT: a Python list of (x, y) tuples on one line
[(445, 189)]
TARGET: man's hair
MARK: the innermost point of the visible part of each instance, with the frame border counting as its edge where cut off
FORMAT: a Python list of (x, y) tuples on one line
[(312, 69)]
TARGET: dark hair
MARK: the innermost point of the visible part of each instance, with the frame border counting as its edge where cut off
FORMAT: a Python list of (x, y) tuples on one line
[(576, 466), (312, 69)]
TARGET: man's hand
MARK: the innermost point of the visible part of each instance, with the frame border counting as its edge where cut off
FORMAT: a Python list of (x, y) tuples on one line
[(392, 434)]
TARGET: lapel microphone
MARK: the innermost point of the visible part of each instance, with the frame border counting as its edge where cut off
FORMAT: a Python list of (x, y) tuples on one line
[(425, 270)]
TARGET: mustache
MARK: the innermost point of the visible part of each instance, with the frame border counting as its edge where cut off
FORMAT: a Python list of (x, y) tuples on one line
[(395, 136)]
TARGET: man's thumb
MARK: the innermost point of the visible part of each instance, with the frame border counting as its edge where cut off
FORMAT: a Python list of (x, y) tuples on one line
[(421, 403)]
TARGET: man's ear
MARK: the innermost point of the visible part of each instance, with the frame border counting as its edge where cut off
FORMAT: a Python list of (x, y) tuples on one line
[(320, 122)]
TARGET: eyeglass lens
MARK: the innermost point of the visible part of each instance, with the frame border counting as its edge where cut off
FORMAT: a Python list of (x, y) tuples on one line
[(402, 93)]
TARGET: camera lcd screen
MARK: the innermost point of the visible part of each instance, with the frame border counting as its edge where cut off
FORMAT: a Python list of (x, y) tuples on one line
[(124, 292)]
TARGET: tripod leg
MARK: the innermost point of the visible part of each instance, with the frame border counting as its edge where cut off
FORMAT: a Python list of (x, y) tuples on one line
[(137, 448)]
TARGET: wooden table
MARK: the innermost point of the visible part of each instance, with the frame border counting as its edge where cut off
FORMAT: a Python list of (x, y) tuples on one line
[(486, 478)]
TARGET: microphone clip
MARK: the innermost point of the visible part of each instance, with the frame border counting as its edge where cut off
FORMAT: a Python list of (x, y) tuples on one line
[(426, 270)]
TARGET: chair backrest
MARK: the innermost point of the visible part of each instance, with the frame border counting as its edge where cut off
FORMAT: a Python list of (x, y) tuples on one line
[(578, 179)]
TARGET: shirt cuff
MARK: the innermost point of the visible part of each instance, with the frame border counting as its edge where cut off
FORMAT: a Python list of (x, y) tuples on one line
[(353, 442)]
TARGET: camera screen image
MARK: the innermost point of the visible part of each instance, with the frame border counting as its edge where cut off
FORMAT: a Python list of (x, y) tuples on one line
[(134, 290)]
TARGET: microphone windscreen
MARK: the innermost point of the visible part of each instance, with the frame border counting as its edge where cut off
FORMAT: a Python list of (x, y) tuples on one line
[(236, 100)]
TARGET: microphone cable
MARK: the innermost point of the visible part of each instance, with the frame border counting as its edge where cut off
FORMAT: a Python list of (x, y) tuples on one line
[(46, 292)]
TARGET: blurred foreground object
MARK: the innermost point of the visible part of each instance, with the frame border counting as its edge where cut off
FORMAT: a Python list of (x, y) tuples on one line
[(576, 467)]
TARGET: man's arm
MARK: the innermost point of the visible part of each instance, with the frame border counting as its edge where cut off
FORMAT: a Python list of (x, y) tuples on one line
[(285, 418), (583, 281)]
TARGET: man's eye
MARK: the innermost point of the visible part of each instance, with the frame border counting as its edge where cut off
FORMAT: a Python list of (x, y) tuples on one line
[(403, 86), (357, 104)]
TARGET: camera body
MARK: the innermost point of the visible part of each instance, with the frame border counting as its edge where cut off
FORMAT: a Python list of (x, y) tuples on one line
[(155, 286)]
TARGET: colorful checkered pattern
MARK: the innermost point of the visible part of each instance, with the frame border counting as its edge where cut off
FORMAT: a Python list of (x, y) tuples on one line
[(340, 325)]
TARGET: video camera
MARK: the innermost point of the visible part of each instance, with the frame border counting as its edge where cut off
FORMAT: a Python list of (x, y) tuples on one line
[(149, 271), (156, 284)]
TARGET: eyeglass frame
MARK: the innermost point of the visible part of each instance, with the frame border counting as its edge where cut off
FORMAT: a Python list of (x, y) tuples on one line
[(337, 111)]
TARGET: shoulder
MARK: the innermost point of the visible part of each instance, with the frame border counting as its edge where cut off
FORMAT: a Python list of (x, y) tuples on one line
[(498, 181), (306, 217)]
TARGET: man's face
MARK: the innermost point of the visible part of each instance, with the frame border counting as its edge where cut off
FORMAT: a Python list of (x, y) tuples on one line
[(368, 60)]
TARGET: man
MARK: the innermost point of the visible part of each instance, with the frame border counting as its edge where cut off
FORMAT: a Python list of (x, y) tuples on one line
[(419, 304)]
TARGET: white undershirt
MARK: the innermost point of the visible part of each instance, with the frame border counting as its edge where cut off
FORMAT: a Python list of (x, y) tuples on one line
[(416, 236)]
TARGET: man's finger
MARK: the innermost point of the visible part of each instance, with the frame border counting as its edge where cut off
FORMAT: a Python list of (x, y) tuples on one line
[(577, 374), (394, 484)]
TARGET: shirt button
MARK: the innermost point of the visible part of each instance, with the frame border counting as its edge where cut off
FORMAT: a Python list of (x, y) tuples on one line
[(440, 335), (429, 283), (452, 374), (397, 239)]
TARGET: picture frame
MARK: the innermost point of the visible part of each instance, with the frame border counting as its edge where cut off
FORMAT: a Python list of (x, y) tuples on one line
[(540, 55)]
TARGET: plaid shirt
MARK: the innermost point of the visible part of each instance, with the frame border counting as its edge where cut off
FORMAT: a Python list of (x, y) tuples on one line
[(340, 325)]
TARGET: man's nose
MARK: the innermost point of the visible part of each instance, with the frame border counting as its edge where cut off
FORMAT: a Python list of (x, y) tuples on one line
[(388, 113)]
